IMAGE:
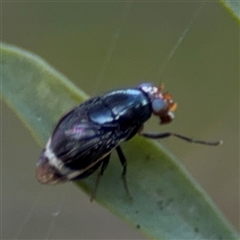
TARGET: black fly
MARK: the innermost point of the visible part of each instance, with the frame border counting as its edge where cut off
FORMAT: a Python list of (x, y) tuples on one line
[(84, 138)]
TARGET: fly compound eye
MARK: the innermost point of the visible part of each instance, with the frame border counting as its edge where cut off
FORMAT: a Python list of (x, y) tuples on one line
[(159, 106), (163, 107)]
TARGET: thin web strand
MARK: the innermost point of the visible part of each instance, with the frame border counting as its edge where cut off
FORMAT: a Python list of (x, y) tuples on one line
[(179, 41), (30, 213), (1, 146), (112, 46), (55, 215)]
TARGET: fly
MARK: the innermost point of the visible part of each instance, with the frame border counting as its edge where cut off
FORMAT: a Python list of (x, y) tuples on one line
[(84, 138)]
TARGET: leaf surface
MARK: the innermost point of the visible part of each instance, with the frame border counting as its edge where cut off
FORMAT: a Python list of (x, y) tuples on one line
[(233, 7), (167, 202)]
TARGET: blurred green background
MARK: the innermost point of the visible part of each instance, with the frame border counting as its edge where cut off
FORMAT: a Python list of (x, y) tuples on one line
[(102, 46)]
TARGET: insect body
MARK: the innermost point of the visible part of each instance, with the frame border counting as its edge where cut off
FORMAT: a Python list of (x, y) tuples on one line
[(84, 138)]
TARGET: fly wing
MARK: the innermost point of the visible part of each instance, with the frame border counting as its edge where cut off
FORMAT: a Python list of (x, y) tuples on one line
[(78, 142)]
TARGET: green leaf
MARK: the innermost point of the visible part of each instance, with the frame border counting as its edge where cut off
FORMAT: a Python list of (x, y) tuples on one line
[(167, 202), (233, 7)]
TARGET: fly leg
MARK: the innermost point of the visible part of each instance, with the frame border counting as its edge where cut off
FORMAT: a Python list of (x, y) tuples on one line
[(170, 134), (123, 161), (104, 165)]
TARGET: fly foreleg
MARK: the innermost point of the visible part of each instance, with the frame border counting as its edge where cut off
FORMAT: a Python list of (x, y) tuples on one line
[(170, 134)]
